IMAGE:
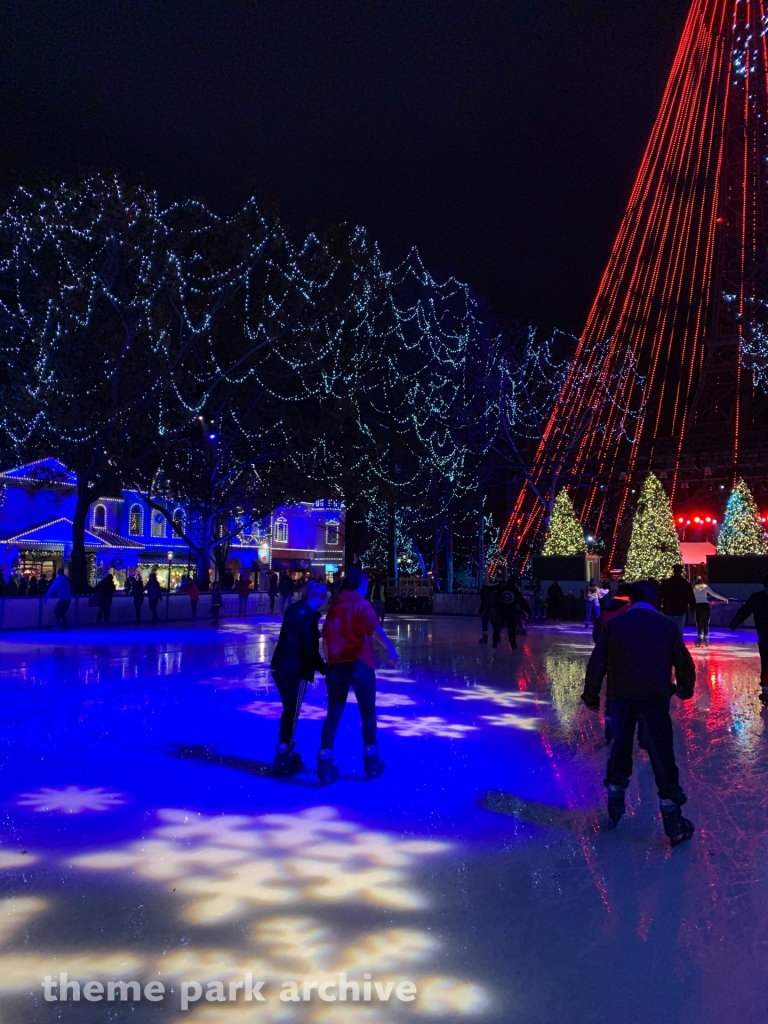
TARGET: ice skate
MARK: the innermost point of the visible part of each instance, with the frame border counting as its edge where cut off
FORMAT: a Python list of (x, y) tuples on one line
[(286, 761), (677, 828), (327, 771), (373, 764), (616, 804)]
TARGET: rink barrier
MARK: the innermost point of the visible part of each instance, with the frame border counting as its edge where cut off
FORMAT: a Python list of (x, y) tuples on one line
[(469, 604), (34, 613)]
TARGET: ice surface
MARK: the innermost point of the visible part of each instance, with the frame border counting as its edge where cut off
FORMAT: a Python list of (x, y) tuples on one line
[(144, 837)]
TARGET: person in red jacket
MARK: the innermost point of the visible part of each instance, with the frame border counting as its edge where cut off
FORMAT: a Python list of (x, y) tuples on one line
[(243, 588), (348, 632)]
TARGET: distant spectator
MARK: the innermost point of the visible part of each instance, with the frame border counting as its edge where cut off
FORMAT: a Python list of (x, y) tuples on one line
[(286, 591), (554, 597), (105, 590), (194, 596), (60, 589), (228, 581), (154, 593), (32, 590), (243, 590), (21, 589), (274, 580), (217, 601)]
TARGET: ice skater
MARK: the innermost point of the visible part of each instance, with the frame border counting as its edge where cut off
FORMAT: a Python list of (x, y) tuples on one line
[(593, 595), (348, 630), (757, 606), (61, 589), (511, 605), (703, 593), (676, 597), (637, 650), (489, 600), (294, 663)]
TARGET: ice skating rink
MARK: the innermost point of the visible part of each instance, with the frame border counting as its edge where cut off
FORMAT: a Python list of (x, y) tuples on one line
[(145, 839)]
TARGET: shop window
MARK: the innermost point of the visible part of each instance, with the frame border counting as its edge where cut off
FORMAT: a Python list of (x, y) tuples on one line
[(100, 517), (158, 524), (178, 522), (331, 535)]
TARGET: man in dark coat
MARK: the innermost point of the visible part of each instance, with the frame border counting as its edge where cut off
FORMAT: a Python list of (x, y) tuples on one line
[(757, 606), (510, 603), (294, 663), (676, 596), (105, 590), (637, 649)]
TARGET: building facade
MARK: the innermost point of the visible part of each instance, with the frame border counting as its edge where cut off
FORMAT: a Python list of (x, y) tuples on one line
[(124, 534)]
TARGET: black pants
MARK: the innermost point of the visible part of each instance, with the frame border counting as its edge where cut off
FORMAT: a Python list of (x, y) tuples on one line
[(501, 619), (652, 718), (105, 608), (193, 602), (153, 603), (272, 597), (702, 620), (137, 603), (762, 646), (338, 680), (60, 611), (292, 690), (485, 618)]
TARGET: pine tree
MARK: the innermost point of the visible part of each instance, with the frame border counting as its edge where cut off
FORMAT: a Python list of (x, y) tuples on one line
[(654, 548), (742, 532), (566, 536)]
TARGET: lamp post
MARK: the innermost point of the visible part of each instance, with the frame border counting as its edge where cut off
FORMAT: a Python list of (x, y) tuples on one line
[(168, 592)]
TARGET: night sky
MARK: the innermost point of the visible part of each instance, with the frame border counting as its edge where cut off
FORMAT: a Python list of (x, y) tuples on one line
[(501, 137)]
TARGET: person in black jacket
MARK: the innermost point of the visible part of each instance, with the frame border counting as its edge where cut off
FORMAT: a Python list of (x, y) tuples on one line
[(757, 605), (509, 604), (294, 663), (638, 649), (105, 590), (489, 599)]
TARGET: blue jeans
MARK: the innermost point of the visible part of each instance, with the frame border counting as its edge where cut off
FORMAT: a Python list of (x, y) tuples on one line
[(338, 679), (679, 621), (593, 612)]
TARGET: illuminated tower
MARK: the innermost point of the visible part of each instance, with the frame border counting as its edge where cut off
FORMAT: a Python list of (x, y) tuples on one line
[(680, 303)]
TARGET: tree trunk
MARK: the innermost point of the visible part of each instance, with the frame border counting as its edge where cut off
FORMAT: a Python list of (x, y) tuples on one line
[(436, 557), (481, 543), (449, 556), (78, 571), (392, 544)]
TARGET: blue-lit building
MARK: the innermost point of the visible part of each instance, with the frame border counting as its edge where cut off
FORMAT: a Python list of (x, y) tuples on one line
[(123, 534)]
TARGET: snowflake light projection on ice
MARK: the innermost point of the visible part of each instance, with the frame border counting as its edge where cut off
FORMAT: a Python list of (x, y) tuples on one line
[(230, 864), (70, 800), (236, 867), (425, 725)]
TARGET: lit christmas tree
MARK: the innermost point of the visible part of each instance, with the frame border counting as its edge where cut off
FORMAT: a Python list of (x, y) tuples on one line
[(742, 532), (654, 548), (566, 536)]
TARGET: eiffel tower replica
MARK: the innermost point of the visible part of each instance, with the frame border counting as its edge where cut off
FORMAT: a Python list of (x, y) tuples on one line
[(681, 303)]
